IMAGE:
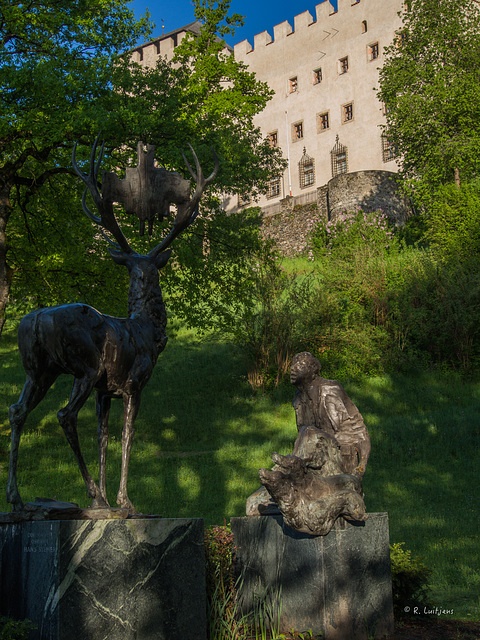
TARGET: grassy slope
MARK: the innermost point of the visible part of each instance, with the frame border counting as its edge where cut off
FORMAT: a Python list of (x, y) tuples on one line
[(202, 436)]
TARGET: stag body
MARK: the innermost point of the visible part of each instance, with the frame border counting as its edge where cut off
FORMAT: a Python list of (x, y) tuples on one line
[(115, 356)]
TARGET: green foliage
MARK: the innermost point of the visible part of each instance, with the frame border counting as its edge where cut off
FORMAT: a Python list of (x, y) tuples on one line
[(15, 629), (351, 231), (453, 222), (57, 62), (223, 623), (430, 86), (390, 305), (370, 302), (271, 325), (265, 618), (207, 284), (205, 98), (410, 578)]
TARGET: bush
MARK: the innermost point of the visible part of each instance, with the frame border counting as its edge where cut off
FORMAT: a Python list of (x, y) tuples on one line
[(354, 231), (15, 629), (453, 228), (409, 580), (279, 322), (221, 592), (372, 304)]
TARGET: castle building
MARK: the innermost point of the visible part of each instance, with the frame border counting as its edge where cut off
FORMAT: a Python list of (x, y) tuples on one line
[(325, 115)]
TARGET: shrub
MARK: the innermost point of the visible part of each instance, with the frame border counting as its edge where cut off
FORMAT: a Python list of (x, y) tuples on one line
[(221, 592), (277, 325), (452, 221), (409, 580), (354, 231), (15, 629)]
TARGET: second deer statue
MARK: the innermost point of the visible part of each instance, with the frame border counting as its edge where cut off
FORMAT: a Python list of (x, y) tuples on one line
[(114, 356)]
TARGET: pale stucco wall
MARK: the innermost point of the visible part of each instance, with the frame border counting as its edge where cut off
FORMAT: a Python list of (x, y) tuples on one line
[(320, 41), (314, 42)]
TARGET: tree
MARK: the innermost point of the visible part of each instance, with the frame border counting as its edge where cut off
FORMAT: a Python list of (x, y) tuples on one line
[(205, 98), (56, 61), (430, 86)]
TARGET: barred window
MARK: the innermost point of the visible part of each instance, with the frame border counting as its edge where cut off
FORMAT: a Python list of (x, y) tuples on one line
[(317, 76), (388, 149), (273, 188), (339, 158), (306, 170)]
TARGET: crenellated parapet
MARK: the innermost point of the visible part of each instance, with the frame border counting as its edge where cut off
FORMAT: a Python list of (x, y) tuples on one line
[(304, 24), (164, 46)]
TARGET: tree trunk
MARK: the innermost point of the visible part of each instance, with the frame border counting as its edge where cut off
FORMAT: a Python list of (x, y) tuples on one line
[(5, 271)]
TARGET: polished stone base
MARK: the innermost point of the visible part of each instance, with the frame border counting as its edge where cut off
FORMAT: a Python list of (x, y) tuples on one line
[(338, 585), (138, 579)]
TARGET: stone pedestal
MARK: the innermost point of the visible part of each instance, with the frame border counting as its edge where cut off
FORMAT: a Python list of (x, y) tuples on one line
[(338, 585), (138, 579)]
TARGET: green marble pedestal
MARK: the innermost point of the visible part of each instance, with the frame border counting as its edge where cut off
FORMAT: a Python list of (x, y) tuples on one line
[(138, 579), (338, 585)]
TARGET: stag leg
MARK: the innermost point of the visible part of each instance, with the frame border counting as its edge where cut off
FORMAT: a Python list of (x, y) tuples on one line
[(33, 392), (131, 406), (103, 403), (67, 417)]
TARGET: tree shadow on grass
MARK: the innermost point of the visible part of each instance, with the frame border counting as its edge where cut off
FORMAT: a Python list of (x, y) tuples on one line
[(423, 470), (201, 437)]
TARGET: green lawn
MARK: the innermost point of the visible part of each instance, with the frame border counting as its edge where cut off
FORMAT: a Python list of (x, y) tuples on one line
[(202, 435)]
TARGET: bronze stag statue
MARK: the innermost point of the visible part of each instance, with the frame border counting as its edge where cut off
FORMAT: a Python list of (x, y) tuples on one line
[(114, 356)]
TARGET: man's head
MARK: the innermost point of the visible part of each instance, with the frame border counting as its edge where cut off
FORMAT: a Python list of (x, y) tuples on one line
[(304, 368)]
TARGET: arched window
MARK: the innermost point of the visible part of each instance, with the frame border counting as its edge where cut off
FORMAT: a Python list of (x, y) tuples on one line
[(306, 170), (339, 156), (364, 26)]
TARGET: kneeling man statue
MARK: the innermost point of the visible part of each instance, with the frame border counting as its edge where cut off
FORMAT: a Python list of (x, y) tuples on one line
[(322, 479)]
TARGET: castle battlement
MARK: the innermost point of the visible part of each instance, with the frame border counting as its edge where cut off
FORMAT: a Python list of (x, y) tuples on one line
[(325, 16)]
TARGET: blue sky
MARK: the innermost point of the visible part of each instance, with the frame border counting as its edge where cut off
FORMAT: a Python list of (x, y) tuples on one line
[(260, 15)]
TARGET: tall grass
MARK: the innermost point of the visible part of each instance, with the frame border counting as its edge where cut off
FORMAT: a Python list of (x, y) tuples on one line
[(203, 434)]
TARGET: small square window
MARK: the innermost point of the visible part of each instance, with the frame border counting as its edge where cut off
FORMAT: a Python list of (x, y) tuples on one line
[(317, 76), (347, 112), (373, 51), (343, 65), (293, 84), (273, 139), (323, 121), (297, 131)]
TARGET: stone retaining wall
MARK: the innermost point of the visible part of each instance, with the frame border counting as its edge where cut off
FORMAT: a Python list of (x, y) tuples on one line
[(290, 222)]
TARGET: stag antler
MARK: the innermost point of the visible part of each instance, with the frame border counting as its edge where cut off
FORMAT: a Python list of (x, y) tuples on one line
[(107, 218), (187, 213), (107, 221)]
